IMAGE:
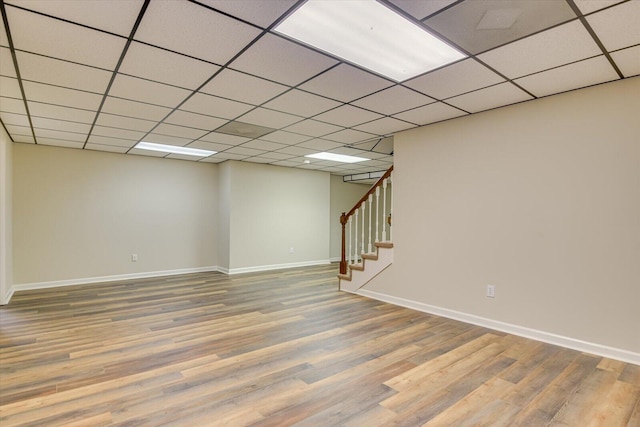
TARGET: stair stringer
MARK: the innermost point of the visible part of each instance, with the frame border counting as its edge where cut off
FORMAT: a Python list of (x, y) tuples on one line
[(370, 268)]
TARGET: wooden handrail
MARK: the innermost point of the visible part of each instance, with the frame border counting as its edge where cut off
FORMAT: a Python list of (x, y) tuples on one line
[(344, 218)]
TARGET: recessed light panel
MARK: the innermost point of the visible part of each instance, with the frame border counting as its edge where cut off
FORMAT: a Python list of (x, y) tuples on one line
[(175, 149), (368, 34), (343, 158)]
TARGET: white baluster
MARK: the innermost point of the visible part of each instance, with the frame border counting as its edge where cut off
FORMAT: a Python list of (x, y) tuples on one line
[(391, 209), (355, 246), (370, 200), (350, 260), (377, 212), (384, 209), (364, 209)]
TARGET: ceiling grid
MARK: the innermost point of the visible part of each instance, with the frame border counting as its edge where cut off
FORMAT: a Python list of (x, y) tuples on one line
[(215, 75)]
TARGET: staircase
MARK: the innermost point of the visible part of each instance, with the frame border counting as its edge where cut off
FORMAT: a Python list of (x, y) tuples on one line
[(367, 249)]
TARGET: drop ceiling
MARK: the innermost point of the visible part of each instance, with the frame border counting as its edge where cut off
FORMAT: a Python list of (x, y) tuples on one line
[(104, 74)]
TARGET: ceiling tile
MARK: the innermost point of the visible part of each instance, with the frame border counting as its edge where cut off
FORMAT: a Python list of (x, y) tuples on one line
[(41, 134), (166, 67), (588, 6), (12, 105), (393, 100), (573, 76), (259, 159), (194, 120), (136, 89), (461, 23), (61, 113), (301, 103), (117, 133), (212, 159), (491, 97), (106, 148), (286, 163), (276, 156), (47, 36), (3, 35), (110, 120), (66, 126), (6, 63), (179, 131), (230, 156), (346, 83), (557, 46), (18, 130), (14, 119), (430, 114), (242, 87), (618, 27), (422, 9), (280, 60), (222, 138), (10, 87), (62, 73), (115, 17), (244, 151), (348, 116), (461, 77), (349, 136), (384, 126), (61, 96), (313, 128), (214, 106), (628, 60), (212, 146), (24, 138), (258, 12), (286, 138), (116, 142), (320, 144), (196, 30), (263, 145), (59, 142), (125, 107), (269, 118), (296, 151)]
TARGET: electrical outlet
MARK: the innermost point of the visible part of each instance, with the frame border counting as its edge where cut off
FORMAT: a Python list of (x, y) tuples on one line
[(134, 257), (491, 291), (291, 250)]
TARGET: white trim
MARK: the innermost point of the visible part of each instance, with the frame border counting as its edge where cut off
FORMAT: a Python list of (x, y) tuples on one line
[(7, 297), (335, 259), (114, 278), (572, 343), (273, 267)]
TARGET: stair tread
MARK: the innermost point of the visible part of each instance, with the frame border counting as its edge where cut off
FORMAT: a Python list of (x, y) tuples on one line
[(373, 256), (384, 244), (344, 277), (359, 267)]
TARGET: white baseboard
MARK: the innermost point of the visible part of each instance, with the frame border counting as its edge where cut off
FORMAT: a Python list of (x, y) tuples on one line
[(572, 343), (272, 267), (113, 278)]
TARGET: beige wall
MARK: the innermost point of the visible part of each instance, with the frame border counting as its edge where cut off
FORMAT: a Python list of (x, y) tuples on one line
[(273, 209), (344, 196), (81, 214), (540, 199), (6, 268)]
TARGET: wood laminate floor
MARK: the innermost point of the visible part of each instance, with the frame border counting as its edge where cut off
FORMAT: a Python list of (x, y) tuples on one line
[(283, 348)]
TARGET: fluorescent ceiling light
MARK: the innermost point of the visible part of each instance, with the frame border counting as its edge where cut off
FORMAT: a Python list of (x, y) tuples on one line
[(175, 149), (337, 157), (369, 34)]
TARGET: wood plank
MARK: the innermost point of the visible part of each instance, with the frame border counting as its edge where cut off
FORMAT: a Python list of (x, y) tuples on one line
[(280, 348)]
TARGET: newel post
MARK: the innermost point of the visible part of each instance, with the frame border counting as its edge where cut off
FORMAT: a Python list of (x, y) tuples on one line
[(343, 259)]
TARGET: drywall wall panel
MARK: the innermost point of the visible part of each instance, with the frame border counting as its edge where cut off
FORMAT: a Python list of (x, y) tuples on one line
[(540, 200), (83, 214)]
